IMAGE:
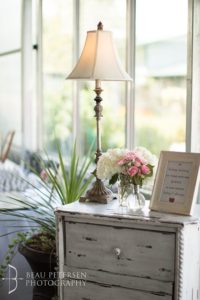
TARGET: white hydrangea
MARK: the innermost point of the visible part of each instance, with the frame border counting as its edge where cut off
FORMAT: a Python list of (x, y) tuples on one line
[(107, 165)]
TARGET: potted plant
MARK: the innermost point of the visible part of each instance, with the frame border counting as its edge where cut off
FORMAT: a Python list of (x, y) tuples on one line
[(59, 185)]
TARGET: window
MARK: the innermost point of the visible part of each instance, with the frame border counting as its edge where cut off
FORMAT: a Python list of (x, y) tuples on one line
[(18, 88), (57, 61), (161, 69), (67, 113), (10, 68), (113, 94), (158, 42)]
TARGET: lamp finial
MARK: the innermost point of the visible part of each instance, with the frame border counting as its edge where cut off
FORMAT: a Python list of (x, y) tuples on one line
[(100, 26)]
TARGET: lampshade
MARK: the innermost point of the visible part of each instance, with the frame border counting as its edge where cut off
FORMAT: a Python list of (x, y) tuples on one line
[(99, 59)]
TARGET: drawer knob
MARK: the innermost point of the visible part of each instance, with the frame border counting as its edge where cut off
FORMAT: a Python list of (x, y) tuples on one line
[(117, 252)]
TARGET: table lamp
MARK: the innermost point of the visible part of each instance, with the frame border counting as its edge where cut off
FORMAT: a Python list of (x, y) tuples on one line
[(99, 62)]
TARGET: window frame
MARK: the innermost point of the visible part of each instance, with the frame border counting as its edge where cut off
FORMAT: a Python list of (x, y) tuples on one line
[(31, 74), (193, 76), (9, 53)]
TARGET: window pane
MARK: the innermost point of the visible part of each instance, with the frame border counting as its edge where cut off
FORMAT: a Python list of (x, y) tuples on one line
[(10, 29), (10, 95), (57, 58), (113, 121), (161, 56)]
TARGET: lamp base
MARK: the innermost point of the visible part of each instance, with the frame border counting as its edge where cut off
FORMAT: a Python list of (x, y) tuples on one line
[(98, 193)]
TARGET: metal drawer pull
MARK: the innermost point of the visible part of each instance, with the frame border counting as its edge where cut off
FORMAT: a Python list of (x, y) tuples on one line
[(117, 252)]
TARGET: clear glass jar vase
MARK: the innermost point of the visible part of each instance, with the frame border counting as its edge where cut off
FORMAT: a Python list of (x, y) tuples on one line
[(137, 200), (124, 192), (130, 196)]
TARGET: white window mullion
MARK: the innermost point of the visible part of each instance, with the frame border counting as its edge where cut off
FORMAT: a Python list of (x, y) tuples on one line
[(26, 69), (39, 77), (76, 84), (195, 123), (193, 78), (130, 90), (189, 75)]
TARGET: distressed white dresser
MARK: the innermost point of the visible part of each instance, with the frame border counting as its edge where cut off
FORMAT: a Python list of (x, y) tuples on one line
[(149, 256)]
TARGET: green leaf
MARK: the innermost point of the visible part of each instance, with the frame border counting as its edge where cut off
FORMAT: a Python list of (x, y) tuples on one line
[(113, 179)]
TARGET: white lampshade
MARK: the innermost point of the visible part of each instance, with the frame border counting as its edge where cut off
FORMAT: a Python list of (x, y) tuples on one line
[(99, 59)]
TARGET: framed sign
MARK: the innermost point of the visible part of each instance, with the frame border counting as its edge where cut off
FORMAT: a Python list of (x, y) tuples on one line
[(176, 183)]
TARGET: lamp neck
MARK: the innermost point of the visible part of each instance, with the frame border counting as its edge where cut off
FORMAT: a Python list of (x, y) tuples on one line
[(97, 84), (98, 114)]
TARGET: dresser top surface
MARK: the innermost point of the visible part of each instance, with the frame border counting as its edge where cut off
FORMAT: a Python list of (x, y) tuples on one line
[(113, 210)]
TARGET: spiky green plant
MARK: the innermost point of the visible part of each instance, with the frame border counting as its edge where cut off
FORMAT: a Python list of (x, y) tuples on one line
[(70, 185), (63, 184)]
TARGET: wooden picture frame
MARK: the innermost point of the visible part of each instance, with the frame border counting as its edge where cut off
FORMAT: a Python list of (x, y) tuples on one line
[(176, 183)]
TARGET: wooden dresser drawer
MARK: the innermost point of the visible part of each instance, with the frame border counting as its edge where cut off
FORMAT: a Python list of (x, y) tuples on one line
[(143, 253), (93, 291)]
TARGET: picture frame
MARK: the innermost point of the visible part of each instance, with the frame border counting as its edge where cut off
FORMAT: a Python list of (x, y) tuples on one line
[(176, 183)]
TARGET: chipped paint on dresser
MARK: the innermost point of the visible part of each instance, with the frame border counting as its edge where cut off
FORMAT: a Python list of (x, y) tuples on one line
[(149, 255)]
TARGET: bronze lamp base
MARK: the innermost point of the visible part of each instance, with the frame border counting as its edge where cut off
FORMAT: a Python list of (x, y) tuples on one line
[(98, 193)]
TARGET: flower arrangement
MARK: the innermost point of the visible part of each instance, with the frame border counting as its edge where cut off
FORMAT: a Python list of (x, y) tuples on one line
[(130, 166)]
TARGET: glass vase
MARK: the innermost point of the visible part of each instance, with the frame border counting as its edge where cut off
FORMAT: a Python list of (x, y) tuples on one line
[(124, 192), (137, 200), (130, 196)]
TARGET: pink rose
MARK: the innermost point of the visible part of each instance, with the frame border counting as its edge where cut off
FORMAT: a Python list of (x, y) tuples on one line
[(130, 156), (145, 169), (132, 171), (137, 162), (141, 159)]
